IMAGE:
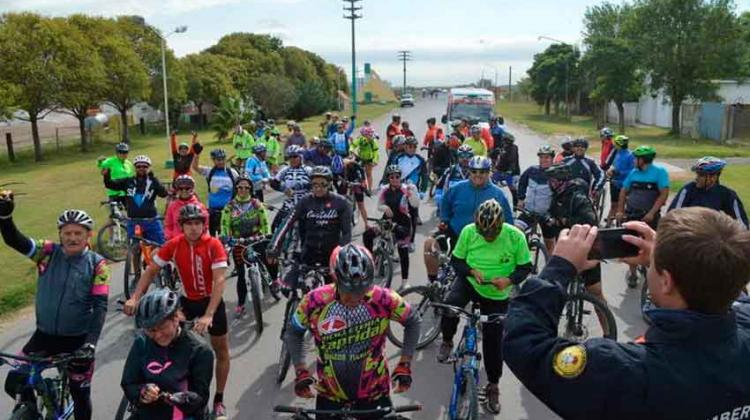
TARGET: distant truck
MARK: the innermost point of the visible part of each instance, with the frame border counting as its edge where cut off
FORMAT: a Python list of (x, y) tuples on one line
[(473, 104)]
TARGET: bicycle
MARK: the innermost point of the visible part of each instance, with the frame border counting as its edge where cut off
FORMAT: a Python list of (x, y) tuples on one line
[(600, 201), (387, 413), (350, 187), (112, 239), (314, 277), (576, 319), (465, 358), (52, 398), (139, 256), (534, 239), (383, 248), (424, 296)]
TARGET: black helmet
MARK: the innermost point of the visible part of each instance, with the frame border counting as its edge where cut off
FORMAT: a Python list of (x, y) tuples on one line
[(489, 217), (582, 142), (509, 137), (191, 212), (559, 171), (431, 120), (156, 306), (411, 141), (122, 148), (241, 178), (321, 172), (352, 267), (218, 154)]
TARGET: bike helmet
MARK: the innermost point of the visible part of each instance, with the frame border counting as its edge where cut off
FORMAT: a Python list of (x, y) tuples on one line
[(455, 123), (475, 129), (396, 117), (465, 152), (271, 122), (581, 142), (621, 141), (321, 172), (156, 306), (398, 140), (606, 132), (545, 149), (480, 163), (566, 143), (218, 154), (559, 171), (122, 148), (392, 169), (259, 148), (708, 165), (367, 131), (645, 151), (190, 212), (326, 143), (489, 218), (293, 151), (184, 180), (142, 159), (431, 120), (291, 123), (75, 217), (315, 141), (509, 137), (352, 267), (411, 141), (183, 145), (241, 178)]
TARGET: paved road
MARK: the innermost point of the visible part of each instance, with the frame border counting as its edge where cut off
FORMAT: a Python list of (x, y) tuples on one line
[(252, 392)]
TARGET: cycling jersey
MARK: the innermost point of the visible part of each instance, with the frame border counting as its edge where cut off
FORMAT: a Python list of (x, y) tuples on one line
[(257, 170), (622, 162), (413, 170), (186, 364), (295, 139), (243, 144), (643, 187), (351, 341), (118, 169), (314, 157), (181, 163), (478, 146), (459, 204), (172, 226), (296, 180), (273, 149), (194, 262), (393, 130), (587, 170), (573, 205), (608, 148), (366, 149), (399, 200), (496, 259), (718, 197), (244, 218), (453, 175), (534, 190), (220, 185), (140, 192), (433, 135)]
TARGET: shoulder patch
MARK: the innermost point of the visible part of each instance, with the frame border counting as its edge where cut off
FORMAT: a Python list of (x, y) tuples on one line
[(570, 362)]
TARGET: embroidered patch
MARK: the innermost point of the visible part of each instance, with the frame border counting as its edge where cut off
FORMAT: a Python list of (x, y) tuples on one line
[(570, 362), (333, 324)]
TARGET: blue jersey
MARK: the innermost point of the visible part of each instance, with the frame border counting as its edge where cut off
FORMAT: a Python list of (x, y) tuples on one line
[(624, 162), (718, 197), (220, 185), (644, 186), (462, 200)]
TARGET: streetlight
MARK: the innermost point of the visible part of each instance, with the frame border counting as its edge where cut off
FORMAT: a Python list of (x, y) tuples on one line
[(567, 73), (177, 30), (353, 16)]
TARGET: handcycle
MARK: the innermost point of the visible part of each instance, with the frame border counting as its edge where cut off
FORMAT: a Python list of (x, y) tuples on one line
[(314, 277), (385, 413), (530, 224), (382, 251), (52, 399), (112, 239), (465, 397), (577, 323)]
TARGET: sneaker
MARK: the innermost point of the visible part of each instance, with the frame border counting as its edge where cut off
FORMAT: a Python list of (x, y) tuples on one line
[(632, 279), (492, 398), (444, 353), (239, 311), (220, 412), (419, 221), (404, 284)]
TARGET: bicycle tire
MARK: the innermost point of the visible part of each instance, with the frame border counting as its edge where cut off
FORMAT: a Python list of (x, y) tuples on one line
[(268, 283), (256, 295), (122, 409), (574, 330), (383, 268), (431, 191), (285, 358), (430, 329), (538, 250), (132, 266), (468, 393), (116, 252)]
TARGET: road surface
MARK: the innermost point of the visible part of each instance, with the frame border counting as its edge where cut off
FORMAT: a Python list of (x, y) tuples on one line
[(252, 391)]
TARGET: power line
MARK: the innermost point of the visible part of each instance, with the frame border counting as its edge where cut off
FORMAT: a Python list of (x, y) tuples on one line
[(404, 56), (352, 15)]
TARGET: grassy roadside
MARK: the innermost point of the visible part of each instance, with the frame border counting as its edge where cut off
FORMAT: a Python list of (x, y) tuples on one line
[(532, 115), (70, 179), (736, 177)]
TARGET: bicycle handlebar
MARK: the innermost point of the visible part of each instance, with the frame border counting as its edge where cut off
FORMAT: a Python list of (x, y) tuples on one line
[(247, 241), (346, 411), (59, 359), (484, 319)]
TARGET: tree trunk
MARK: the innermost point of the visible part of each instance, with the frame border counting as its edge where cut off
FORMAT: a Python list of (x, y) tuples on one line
[(676, 117), (200, 115), (82, 128), (557, 107), (621, 116), (35, 136), (546, 106), (124, 123)]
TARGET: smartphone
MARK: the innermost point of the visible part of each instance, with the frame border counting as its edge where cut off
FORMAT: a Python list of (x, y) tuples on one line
[(609, 244)]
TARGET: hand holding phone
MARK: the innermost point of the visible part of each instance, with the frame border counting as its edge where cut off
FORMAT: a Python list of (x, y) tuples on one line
[(609, 244)]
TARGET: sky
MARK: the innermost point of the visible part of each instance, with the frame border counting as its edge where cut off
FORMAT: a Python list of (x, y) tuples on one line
[(452, 42)]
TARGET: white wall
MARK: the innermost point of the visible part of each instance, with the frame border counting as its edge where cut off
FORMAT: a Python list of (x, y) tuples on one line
[(733, 93)]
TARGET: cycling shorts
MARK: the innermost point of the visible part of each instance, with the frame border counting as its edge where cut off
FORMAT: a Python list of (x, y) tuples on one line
[(614, 193), (194, 309), (151, 230)]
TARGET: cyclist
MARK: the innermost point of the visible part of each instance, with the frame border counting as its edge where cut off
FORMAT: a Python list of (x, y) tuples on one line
[(70, 301), (505, 157), (567, 149), (201, 262), (320, 155), (185, 186), (141, 192), (414, 171), (221, 181), (296, 138), (455, 173), (405, 130), (458, 130), (433, 134), (621, 161), (490, 257), (476, 142), (606, 135), (353, 179), (324, 220), (182, 154), (242, 142), (497, 129), (341, 138), (441, 157), (245, 217), (324, 124), (260, 129), (366, 149), (394, 129), (119, 167), (395, 201), (348, 321), (535, 195), (458, 206), (294, 181), (166, 358), (399, 143), (272, 141), (257, 169), (585, 168)]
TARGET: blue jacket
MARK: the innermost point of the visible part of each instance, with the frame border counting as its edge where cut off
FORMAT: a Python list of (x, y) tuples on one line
[(718, 197), (690, 365), (459, 203), (534, 190), (623, 162), (257, 170)]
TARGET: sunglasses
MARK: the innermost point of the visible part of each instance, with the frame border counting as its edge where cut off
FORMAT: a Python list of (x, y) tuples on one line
[(479, 172), (243, 188), (319, 184), (185, 189)]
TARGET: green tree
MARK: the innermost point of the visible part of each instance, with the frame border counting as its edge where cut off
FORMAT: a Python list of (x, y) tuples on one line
[(298, 65), (554, 76), (275, 94), (231, 111), (8, 94), (312, 99), (745, 25), (256, 55), (684, 44), (208, 80)]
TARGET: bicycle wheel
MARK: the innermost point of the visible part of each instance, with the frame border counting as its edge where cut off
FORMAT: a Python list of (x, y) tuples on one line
[(267, 282), (419, 297), (123, 409), (580, 319), (112, 242), (285, 359), (467, 401), (383, 267), (600, 204), (256, 296), (540, 255), (132, 267)]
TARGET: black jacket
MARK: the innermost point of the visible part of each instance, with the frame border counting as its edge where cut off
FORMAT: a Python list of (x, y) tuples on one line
[(140, 192), (573, 206)]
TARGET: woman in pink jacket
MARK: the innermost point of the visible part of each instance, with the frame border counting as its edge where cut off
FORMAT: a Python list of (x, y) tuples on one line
[(184, 186)]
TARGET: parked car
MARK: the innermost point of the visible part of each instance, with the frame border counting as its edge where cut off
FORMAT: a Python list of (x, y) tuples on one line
[(407, 100)]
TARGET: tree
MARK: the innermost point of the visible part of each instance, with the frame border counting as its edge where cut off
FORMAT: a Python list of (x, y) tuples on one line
[(298, 65), (312, 99), (275, 94), (745, 25), (256, 55), (208, 80), (230, 113), (684, 44), (554, 76), (40, 56), (8, 94)]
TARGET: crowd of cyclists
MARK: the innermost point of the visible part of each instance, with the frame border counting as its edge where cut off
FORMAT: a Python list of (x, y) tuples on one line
[(477, 181)]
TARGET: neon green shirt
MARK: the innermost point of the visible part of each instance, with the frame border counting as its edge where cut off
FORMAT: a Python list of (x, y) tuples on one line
[(478, 146), (117, 170), (243, 145), (498, 258)]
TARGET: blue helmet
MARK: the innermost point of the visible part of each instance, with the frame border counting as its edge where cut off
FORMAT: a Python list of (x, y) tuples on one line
[(465, 152), (709, 165), (480, 163), (259, 148)]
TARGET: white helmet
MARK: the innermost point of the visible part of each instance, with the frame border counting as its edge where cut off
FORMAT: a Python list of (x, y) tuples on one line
[(75, 217), (142, 159)]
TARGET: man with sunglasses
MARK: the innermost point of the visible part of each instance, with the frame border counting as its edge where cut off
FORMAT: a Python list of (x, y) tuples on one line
[(320, 155), (324, 220), (119, 167), (220, 180), (490, 257)]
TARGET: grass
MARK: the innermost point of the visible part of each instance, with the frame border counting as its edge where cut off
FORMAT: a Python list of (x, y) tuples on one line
[(733, 176), (668, 146), (70, 179)]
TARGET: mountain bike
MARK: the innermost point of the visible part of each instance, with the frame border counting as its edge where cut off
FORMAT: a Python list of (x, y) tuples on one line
[(584, 314), (139, 256), (600, 201), (385, 413), (530, 224), (314, 277), (52, 398), (464, 402), (383, 248), (422, 297), (112, 239)]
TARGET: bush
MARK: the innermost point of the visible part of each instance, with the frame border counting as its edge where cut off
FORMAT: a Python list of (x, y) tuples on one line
[(312, 99)]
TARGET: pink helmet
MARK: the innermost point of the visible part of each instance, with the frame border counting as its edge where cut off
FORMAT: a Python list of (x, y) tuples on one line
[(367, 131)]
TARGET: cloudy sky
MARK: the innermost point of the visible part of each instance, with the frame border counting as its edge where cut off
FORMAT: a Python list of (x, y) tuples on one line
[(451, 41)]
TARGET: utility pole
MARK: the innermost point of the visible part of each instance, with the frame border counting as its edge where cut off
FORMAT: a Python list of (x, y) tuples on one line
[(352, 15), (496, 92), (404, 56), (510, 87)]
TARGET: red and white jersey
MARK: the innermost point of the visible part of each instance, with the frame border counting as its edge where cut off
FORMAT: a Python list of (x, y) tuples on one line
[(195, 263)]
